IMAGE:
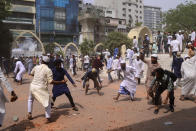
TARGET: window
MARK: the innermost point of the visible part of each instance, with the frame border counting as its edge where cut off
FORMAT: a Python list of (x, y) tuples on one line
[(109, 12), (124, 15), (120, 22), (124, 9), (129, 4), (60, 15), (107, 20), (129, 10), (124, 3), (59, 26)]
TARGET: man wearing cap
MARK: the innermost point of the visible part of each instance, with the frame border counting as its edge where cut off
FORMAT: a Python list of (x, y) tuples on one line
[(128, 85), (93, 75), (139, 65), (19, 70), (180, 38), (151, 66), (146, 43), (39, 87), (174, 48)]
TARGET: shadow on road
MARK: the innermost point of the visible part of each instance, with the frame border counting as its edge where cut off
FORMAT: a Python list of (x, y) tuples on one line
[(183, 120), (67, 105), (21, 126)]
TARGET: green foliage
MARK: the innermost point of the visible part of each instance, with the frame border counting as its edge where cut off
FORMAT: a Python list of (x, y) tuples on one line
[(49, 48), (5, 41), (181, 18), (5, 5), (87, 47), (138, 24), (116, 40)]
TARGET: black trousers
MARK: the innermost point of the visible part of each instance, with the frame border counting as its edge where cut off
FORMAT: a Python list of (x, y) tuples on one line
[(158, 93), (69, 97)]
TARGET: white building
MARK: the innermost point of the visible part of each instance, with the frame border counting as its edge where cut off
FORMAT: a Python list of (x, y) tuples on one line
[(130, 10), (152, 18)]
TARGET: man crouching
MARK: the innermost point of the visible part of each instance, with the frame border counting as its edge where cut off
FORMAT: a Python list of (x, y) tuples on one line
[(163, 80)]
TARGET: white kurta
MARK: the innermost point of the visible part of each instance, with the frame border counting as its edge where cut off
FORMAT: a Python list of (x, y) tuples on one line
[(3, 99), (39, 86), (180, 38), (193, 36), (129, 82), (139, 66), (130, 54), (188, 71), (21, 68)]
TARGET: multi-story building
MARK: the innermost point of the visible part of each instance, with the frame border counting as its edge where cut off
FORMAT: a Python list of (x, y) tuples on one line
[(22, 16), (152, 18), (57, 21), (130, 10)]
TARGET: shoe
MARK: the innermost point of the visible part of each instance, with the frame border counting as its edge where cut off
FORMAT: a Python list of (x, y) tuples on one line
[(48, 120), (132, 96), (75, 108), (29, 116), (171, 109), (156, 111)]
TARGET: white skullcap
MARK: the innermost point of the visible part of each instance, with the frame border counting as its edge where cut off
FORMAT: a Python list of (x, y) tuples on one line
[(189, 43), (122, 62), (48, 54), (137, 55), (46, 59), (15, 58), (180, 31), (146, 34), (186, 56), (154, 55)]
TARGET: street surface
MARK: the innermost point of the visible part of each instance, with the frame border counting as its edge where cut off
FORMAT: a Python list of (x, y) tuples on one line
[(99, 113)]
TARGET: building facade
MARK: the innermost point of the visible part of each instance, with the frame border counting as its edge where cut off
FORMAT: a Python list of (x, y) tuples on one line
[(22, 16), (57, 21), (152, 18), (130, 10)]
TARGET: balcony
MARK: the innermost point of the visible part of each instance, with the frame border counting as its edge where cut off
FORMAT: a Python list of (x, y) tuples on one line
[(23, 9)]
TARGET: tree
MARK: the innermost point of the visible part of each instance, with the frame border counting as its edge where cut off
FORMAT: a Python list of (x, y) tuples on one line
[(181, 18), (50, 48), (116, 40), (5, 41), (5, 5), (87, 47), (138, 24)]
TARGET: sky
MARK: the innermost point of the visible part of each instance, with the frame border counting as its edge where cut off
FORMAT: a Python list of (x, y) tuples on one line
[(164, 4)]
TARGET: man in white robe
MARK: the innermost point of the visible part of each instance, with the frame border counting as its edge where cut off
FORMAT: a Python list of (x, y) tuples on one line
[(39, 87), (19, 71), (139, 66), (188, 71), (130, 54), (128, 85), (180, 38), (3, 99)]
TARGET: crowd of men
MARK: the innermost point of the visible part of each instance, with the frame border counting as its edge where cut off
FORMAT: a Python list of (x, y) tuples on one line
[(50, 69)]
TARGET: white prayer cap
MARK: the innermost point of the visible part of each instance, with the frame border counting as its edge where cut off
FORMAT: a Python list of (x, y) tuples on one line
[(180, 31), (138, 55), (154, 55), (189, 43), (15, 58), (186, 56), (122, 62), (48, 54), (146, 34), (46, 59)]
